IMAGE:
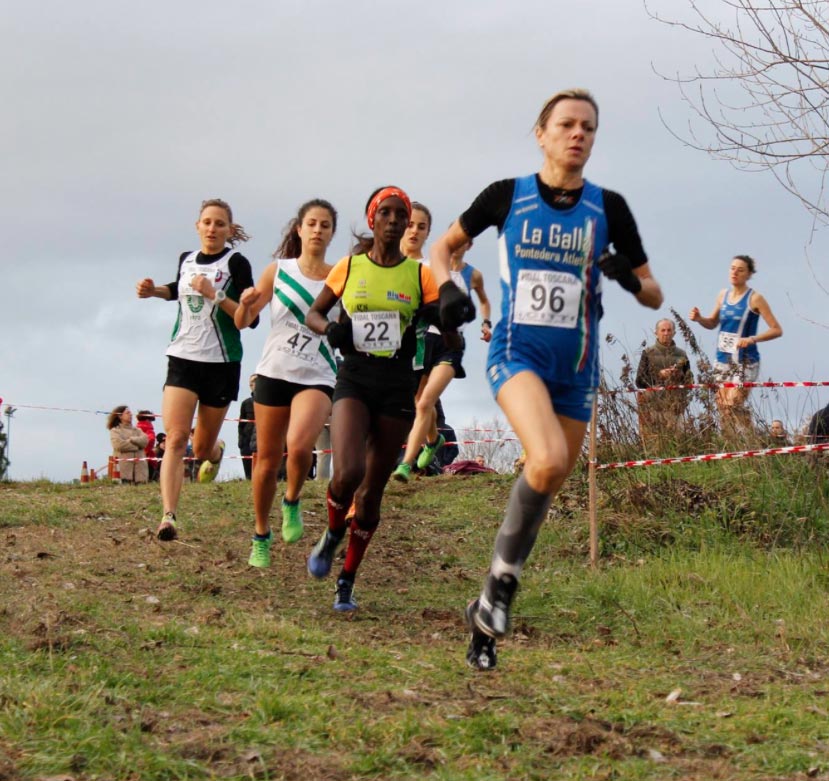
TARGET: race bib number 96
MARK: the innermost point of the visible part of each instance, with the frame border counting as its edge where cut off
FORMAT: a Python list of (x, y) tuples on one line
[(548, 298), (376, 331)]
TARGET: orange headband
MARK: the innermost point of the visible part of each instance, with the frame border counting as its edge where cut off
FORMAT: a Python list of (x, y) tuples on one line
[(386, 192)]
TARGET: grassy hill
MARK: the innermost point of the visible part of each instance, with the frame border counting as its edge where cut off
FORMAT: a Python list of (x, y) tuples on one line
[(697, 650)]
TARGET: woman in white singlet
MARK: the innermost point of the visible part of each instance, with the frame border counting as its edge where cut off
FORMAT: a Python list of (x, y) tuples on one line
[(295, 377), (204, 358)]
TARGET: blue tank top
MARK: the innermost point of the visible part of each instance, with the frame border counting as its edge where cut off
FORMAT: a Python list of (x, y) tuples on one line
[(737, 321), (551, 284), (466, 274)]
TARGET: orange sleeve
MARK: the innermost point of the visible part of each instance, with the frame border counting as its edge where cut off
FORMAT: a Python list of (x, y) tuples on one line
[(430, 287), (337, 277)]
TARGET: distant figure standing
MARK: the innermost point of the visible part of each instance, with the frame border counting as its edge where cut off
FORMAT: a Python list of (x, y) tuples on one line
[(246, 429), (128, 443), (661, 413), (323, 448), (778, 435), (145, 420), (158, 452), (817, 432), (737, 313)]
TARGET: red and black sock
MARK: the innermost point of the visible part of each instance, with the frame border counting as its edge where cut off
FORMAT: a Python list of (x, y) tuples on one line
[(358, 540), (337, 511)]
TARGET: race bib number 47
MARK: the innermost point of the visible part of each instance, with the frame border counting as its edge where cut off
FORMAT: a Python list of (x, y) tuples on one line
[(376, 331), (301, 342), (548, 298)]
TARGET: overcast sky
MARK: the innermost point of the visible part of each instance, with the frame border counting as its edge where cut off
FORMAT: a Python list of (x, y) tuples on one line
[(119, 118)]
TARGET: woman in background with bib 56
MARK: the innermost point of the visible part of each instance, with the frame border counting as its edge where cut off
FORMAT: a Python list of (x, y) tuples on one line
[(737, 313)]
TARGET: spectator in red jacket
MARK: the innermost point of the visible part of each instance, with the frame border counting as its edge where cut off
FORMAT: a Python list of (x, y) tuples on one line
[(144, 421)]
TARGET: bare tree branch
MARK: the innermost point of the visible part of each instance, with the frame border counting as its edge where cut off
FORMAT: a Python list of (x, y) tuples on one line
[(763, 104)]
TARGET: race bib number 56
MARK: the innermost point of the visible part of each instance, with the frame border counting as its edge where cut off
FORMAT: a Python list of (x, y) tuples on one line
[(376, 331), (549, 298), (727, 342)]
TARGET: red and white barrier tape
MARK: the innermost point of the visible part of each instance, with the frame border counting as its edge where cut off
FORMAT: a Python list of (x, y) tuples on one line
[(327, 451), (771, 451), (226, 420), (654, 388), (716, 385)]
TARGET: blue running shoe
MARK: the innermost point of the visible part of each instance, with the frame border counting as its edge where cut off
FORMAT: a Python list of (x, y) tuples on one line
[(322, 555)]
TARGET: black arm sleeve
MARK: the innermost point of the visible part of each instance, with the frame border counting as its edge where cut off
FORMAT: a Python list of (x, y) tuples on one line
[(173, 286), (493, 204), (622, 230), (491, 207), (242, 276)]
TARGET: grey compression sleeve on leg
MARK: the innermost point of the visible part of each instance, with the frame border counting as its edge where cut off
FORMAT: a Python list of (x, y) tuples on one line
[(526, 511)]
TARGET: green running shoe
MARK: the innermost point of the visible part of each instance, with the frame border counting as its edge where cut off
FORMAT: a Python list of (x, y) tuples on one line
[(427, 455), (260, 552), (208, 470), (291, 521), (402, 473)]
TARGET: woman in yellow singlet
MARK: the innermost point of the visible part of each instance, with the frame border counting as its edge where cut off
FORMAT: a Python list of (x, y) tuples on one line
[(382, 293)]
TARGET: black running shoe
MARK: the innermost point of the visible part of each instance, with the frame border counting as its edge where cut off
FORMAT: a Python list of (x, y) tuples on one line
[(167, 528), (481, 654), (492, 612), (344, 601)]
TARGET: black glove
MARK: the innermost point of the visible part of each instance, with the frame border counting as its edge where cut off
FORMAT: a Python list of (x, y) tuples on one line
[(456, 308), (429, 313), (340, 336), (616, 266)]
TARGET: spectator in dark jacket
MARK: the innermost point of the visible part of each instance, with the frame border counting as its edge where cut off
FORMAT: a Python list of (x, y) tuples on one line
[(818, 431), (246, 430), (662, 413)]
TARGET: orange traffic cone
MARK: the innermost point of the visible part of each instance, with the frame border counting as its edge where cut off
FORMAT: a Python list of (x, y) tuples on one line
[(116, 470), (84, 473), (92, 476)]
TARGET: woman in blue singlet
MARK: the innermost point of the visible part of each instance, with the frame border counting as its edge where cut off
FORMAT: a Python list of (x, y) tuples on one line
[(555, 229), (737, 313)]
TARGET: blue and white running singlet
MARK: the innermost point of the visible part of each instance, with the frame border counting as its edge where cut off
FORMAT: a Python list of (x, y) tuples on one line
[(550, 289)]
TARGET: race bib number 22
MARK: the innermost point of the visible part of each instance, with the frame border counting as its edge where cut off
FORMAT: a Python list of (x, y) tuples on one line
[(376, 331)]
